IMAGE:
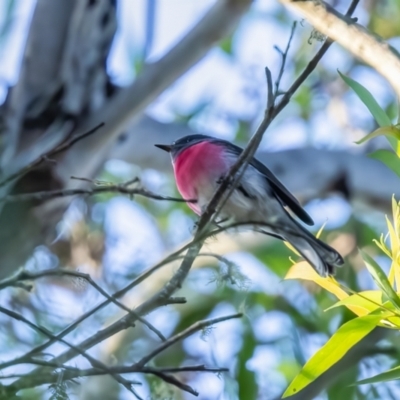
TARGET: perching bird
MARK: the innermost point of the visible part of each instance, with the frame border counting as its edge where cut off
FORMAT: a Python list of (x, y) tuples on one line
[(201, 162)]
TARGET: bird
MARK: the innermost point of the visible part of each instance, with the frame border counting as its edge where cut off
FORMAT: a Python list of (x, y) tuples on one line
[(201, 163)]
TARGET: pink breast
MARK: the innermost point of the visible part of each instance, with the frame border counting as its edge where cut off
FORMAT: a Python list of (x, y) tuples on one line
[(199, 165)]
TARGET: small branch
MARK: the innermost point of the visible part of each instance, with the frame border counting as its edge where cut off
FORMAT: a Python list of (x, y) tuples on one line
[(24, 275), (80, 373), (353, 37), (99, 188), (44, 331), (46, 157), (183, 335), (270, 92), (310, 66), (176, 300), (176, 382), (75, 139), (98, 337), (70, 373), (283, 63)]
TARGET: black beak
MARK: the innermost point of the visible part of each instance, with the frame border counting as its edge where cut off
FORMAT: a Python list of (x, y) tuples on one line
[(164, 147)]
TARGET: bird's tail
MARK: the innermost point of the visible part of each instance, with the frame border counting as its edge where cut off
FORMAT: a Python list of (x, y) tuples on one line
[(322, 257)]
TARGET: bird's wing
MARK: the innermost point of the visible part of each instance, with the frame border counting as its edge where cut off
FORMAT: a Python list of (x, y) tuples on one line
[(281, 192)]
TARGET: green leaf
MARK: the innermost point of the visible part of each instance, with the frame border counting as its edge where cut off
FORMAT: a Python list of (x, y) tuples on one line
[(390, 159), (366, 97), (381, 279), (375, 109), (337, 346), (363, 302), (383, 131), (390, 375)]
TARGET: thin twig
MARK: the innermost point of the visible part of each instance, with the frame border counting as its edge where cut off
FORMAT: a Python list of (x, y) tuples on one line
[(309, 68), (122, 188), (44, 331), (270, 93), (176, 382), (70, 373), (140, 366), (122, 323), (123, 369), (118, 294), (48, 155), (24, 275), (283, 62), (197, 326)]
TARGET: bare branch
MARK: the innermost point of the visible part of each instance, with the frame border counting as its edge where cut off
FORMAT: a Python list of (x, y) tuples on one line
[(122, 324), (24, 275), (183, 335), (310, 66), (44, 331), (163, 373), (47, 156), (76, 372), (70, 373), (98, 188), (283, 63), (353, 37)]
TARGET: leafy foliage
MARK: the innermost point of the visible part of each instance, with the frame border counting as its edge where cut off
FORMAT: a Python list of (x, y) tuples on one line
[(372, 308)]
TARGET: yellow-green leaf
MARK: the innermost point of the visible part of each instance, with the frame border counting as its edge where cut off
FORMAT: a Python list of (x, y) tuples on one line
[(374, 108), (337, 346), (396, 214), (389, 130), (390, 375), (394, 236), (380, 278), (366, 97), (361, 303), (391, 160), (303, 270), (394, 254), (382, 245), (320, 230)]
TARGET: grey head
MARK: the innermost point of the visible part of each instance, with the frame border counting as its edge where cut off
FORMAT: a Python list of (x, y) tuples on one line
[(183, 143)]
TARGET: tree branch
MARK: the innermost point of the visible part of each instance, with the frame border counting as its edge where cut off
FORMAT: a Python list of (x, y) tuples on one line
[(197, 326), (24, 275), (101, 369), (353, 37), (48, 156), (44, 331), (98, 188)]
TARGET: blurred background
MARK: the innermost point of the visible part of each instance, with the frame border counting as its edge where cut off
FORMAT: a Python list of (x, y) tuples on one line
[(63, 67)]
